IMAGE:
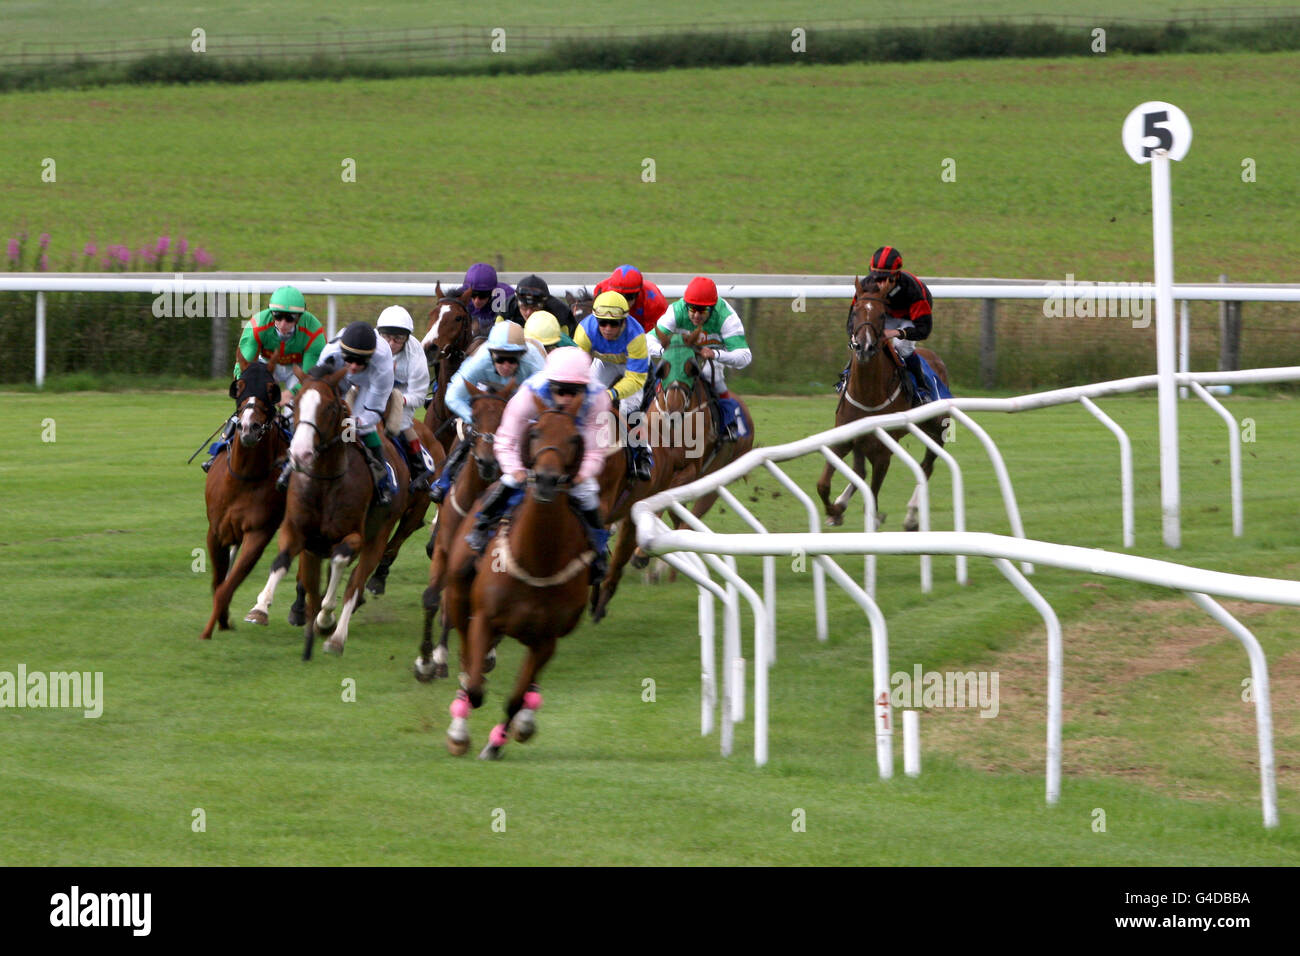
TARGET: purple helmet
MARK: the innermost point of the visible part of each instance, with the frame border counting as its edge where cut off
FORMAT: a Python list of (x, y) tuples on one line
[(481, 277)]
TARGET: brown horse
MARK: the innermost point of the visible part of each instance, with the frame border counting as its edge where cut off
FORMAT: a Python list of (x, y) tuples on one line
[(487, 406), (331, 510), (530, 583), (580, 304), (683, 405), (244, 506), (450, 338), (875, 387)]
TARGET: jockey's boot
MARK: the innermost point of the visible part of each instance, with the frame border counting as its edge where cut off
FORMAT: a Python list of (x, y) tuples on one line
[(494, 506), (420, 473), (226, 434), (730, 430), (917, 392), (597, 538), (643, 460), (379, 472), (844, 376), (450, 469)]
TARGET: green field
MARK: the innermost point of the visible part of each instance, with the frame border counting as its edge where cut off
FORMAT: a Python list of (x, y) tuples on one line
[(756, 169), (96, 554)]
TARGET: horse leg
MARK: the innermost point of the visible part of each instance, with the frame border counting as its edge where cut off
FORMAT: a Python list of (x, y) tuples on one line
[(479, 634), (289, 548), (834, 511), (220, 566), (622, 551), (309, 577), (297, 610), (879, 456), (913, 505), (339, 560), (522, 707), (369, 557), (250, 551), (432, 661)]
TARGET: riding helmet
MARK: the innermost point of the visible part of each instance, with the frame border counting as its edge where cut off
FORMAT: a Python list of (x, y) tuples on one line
[(701, 291), (358, 342), (395, 319), (886, 259)]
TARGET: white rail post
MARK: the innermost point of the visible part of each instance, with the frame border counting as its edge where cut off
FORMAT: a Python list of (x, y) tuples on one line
[(1263, 705), (769, 569), (1004, 479), (1125, 468), (912, 743), (40, 339), (814, 525), (869, 515), (1184, 345), (1234, 454), (923, 487), (1054, 659), (958, 490)]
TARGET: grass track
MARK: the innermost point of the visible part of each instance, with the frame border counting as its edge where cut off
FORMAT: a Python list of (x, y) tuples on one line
[(95, 553)]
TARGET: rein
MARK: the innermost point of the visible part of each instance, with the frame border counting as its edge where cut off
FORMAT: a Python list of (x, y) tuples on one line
[(260, 430), (864, 354)]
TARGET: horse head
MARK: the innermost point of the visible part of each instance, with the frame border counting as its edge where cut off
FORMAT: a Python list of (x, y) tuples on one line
[(487, 406), (580, 304), (677, 376), (256, 394), (868, 334), (319, 413), (554, 452), (450, 328)]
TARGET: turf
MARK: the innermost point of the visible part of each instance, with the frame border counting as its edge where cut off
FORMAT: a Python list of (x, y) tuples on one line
[(799, 171), (96, 552)]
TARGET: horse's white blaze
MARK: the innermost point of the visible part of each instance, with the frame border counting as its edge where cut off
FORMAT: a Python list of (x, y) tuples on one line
[(303, 445), (268, 593), (432, 335), (246, 423)]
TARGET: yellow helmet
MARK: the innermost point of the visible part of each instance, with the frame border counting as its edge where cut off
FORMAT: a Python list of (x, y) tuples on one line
[(609, 305), (543, 327)]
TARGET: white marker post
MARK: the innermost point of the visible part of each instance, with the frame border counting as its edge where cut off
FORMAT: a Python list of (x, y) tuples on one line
[(1156, 133)]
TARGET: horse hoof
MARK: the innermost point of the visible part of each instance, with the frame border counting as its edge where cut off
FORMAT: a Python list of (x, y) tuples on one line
[(457, 748), (911, 525), (524, 726), (257, 617), (325, 627), (490, 752), (375, 586), (440, 670), (425, 671), (834, 521), (490, 662), (597, 613), (334, 646), (297, 617), (640, 561)]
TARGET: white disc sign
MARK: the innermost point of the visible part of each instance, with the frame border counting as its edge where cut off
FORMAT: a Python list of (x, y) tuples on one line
[(1156, 127)]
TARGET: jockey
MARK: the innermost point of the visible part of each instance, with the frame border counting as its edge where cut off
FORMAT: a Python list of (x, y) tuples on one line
[(543, 329), (532, 294), (487, 296), (287, 334), (568, 383), (908, 317), (724, 344), (411, 381), (503, 359), (615, 340), (644, 300), (369, 362)]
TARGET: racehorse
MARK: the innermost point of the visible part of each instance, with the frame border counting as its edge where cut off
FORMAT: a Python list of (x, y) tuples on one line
[(530, 583), (487, 406), (330, 509), (580, 304), (875, 387), (681, 410), (244, 506), (450, 338)]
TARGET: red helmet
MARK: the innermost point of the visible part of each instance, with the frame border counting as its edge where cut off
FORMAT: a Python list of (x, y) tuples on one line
[(625, 280), (701, 291), (886, 259)]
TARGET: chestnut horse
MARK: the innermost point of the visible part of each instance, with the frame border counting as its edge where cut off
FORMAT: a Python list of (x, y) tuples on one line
[(244, 506), (487, 406), (530, 583), (330, 510), (450, 338), (875, 387)]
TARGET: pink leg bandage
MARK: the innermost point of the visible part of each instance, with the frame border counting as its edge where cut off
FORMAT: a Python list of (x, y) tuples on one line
[(460, 706), (498, 736), (533, 700)]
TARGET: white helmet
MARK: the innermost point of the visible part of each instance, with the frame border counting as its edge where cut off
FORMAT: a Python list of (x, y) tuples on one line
[(395, 319)]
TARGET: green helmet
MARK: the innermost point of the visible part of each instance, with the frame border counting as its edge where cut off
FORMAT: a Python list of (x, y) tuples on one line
[(288, 299)]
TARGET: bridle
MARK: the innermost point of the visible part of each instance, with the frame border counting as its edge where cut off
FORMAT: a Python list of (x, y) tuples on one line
[(565, 481), (258, 431), (488, 468), (324, 445), (454, 351), (864, 351)]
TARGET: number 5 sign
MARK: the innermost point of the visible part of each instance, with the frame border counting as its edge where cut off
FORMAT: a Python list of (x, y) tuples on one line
[(1156, 127)]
